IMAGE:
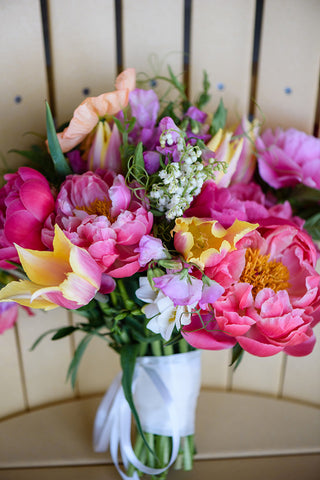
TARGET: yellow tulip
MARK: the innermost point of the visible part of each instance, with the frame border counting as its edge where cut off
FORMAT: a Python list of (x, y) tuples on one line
[(67, 277)]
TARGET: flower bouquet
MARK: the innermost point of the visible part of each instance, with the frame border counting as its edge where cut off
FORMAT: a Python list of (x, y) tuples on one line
[(168, 233)]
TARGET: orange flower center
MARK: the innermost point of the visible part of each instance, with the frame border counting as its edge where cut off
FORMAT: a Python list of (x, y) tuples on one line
[(99, 207), (262, 273)]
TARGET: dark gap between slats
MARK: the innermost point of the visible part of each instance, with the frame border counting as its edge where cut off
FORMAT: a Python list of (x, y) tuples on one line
[(186, 44), (255, 56), (119, 43), (316, 127), (48, 55)]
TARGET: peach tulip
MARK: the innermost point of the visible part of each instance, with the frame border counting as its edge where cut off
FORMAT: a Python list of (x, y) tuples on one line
[(87, 115)]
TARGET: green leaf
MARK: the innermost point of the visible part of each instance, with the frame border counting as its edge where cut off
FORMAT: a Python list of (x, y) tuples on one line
[(179, 86), (128, 355), (204, 96), (138, 169), (312, 225), (219, 118), (39, 339), (63, 332), (60, 163), (237, 354), (74, 365)]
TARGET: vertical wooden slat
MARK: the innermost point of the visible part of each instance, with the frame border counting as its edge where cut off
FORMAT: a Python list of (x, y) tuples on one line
[(99, 365), (45, 367), (153, 36), (23, 79), (289, 63), (83, 51), (222, 44), (11, 398)]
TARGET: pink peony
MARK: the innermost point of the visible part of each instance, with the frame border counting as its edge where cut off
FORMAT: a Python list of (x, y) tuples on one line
[(26, 202), (103, 216), (286, 158), (271, 303)]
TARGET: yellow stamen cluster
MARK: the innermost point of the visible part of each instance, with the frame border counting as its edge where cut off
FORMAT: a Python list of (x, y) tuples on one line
[(98, 207), (262, 273)]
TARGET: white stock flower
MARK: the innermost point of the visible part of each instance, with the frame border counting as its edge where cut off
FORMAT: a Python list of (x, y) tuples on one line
[(159, 308)]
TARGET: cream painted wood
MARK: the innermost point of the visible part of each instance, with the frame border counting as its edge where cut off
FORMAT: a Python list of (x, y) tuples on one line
[(295, 467), (83, 51), (258, 374), (222, 44), (153, 36), (215, 371), (45, 367), (230, 427), (289, 58), (12, 399), (99, 365), (22, 75), (302, 378)]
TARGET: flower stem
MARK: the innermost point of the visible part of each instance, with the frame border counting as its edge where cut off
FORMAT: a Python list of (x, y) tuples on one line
[(183, 346), (168, 349), (156, 348), (137, 450), (188, 450)]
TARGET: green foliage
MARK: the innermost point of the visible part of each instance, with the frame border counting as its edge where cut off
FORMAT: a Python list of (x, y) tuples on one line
[(219, 118), (312, 225), (128, 355), (204, 97), (74, 365), (63, 332), (237, 354), (60, 163)]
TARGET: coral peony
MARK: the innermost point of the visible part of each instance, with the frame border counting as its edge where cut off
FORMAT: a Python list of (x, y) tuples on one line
[(286, 158), (271, 303), (103, 216)]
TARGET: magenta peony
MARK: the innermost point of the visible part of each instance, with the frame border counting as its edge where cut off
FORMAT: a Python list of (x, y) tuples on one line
[(103, 216), (26, 201), (286, 158), (271, 301), (241, 201)]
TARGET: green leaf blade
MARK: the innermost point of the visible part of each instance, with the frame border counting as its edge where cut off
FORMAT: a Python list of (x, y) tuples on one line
[(219, 118), (60, 163), (128, 355)]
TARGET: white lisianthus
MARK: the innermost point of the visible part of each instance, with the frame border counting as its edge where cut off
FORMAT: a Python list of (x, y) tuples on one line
[(160, 309)]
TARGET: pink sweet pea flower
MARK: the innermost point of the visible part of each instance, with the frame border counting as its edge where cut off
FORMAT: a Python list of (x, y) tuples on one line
[(87, 115), (9, 312), (8, 315), (286, 158), (151, 248), (103, 216), (26, 201), (67, 277), (185, 291)]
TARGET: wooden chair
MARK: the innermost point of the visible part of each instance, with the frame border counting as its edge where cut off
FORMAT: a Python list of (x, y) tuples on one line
[(265, 416)]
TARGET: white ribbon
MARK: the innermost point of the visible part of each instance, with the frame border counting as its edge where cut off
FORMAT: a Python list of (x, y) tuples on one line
[(165, 391)]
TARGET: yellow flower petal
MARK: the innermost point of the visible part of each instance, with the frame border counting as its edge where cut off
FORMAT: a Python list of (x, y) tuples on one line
[(21, 292)]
